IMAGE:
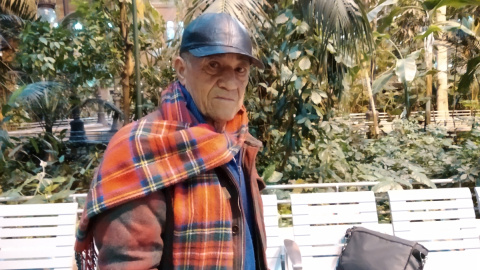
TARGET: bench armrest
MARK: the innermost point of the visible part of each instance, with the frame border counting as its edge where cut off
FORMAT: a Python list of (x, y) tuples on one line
[(293, 254)]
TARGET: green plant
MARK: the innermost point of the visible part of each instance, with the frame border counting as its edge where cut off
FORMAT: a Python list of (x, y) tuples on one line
[(465, 166), (405, 157), (46, 167), (43, 101)]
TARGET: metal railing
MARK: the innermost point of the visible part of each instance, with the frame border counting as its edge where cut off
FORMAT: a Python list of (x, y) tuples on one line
[(62, 123)]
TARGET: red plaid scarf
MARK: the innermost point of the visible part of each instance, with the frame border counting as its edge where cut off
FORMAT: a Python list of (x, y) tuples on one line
[(162, 149)]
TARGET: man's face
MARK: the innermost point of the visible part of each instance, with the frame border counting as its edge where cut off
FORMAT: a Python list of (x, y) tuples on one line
[(217, 83)]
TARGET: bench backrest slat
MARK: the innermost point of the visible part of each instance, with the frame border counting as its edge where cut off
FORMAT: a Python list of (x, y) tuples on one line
[(37, 235), (320, 221), (440, 219), (274, 244)]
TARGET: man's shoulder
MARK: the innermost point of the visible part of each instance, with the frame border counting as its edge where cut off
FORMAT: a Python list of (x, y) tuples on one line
[(252, 141)]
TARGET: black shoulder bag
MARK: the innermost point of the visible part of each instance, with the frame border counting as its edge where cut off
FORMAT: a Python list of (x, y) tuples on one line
[(370, 250)]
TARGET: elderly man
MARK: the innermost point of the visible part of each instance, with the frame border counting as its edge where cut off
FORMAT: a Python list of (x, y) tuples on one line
[(178, 189)]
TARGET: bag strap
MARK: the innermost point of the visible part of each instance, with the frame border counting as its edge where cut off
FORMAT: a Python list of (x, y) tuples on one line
[(419, 256)]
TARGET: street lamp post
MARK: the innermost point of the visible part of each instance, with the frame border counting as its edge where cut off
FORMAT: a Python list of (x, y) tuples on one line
[(137, 61), (46, 11)]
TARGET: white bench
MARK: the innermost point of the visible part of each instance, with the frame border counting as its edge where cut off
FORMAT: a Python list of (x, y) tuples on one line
[(443, 220), (320, 221), (37, 236), (274, 250)]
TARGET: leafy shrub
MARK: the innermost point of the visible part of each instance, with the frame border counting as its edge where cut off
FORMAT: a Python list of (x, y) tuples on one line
[(406, 156), (44, 166)]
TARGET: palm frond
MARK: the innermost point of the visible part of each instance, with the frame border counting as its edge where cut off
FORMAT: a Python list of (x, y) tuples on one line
[(4, 140), (435, 4), (25, 9), (466, 80), (11, 20), (344, 22), (248, 12), (11, 27), (4, 42), (32, 93)]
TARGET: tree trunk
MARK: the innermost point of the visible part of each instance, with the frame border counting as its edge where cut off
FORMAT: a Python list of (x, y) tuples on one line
[(49, 129), (442, 67), (128, 63), (374, 130), (429, 78), (2, 125)]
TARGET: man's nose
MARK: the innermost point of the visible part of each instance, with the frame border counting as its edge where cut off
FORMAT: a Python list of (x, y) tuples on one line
[(227, 80)]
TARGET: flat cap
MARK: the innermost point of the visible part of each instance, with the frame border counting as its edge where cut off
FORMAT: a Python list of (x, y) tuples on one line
[(217, 33)]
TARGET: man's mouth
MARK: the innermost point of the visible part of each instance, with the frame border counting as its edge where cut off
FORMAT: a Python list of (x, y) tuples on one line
[(225, 98)]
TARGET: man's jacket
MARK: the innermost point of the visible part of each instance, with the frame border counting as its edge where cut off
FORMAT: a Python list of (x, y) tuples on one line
[(141, 233), (164, 198)]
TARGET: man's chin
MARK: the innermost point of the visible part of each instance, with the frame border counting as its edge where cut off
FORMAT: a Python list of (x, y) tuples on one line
[(224, 117)]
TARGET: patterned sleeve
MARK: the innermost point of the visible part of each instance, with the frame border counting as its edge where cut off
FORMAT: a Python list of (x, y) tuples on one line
[(129, 236)]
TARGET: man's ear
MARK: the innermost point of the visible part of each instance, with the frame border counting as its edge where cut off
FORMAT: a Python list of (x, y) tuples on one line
[(179, 65)]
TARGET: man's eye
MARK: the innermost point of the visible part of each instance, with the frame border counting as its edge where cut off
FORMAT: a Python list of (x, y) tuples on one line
[(214, 65), (241, 70)]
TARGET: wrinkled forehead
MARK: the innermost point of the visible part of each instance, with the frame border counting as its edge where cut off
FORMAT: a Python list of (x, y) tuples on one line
[(237, 56), (226, 57)]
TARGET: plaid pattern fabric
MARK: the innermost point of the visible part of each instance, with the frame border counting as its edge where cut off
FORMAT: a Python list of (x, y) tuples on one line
[(164, 149), (203, 237)]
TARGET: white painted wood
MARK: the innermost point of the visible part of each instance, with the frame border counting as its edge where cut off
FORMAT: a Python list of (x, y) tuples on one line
[(37, 231), (38, 264), (334, 219), (450, 244), (286, 233), (443, 226), (332, 197), (321, 219), (333, 235), (25, 252), (435, 234), (37, 209), (269, 200), (38, 221), (327, 209), (429, 194), (37, 236), (458, 203), (429, 215), (272, 232), (18, 243), (274, 249), (271, 221), (274, 241), (317, 263), (452, 260), (333, 208), (443, 220)]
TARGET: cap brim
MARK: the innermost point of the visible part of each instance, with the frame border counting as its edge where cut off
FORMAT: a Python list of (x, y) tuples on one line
[(211, 50)]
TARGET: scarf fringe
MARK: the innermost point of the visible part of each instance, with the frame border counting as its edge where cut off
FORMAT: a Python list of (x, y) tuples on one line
[(87, 259)]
